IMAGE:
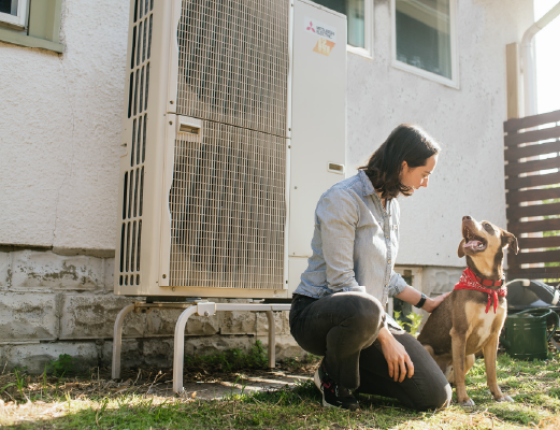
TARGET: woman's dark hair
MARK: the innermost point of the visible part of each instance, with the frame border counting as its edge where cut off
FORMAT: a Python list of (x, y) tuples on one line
[(405, 143)]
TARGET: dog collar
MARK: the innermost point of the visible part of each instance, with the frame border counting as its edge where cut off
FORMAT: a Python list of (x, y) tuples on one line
[(470, 281), (487, 282)]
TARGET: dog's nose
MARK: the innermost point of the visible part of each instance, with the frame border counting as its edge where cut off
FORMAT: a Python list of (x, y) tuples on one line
[(466, 218)]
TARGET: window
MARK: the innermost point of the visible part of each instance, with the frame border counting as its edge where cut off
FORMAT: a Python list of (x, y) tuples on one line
[(34, 24), (359, 15), (14, 12), (423, 39)]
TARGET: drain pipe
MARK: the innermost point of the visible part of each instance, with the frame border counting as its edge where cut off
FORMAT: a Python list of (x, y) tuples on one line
[(528, 62)]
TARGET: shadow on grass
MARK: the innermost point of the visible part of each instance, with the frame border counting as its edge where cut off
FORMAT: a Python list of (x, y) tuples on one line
[(293, 408), (533, 385), (288, 408)]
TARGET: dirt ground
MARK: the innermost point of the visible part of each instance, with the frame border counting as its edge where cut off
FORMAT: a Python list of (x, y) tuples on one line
[(200, 384)]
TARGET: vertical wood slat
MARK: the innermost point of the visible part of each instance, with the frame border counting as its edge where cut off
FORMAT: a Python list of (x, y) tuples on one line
[(533, 194), (512, 78)]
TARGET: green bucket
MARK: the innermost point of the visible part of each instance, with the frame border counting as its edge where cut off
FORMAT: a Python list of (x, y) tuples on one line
[(525, 334)]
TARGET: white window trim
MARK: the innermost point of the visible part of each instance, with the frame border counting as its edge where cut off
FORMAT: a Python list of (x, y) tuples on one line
[(454, 81), (367, 50), (19, 20)]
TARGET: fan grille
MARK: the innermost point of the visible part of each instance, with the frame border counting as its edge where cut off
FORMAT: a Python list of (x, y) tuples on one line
[(233, 62), (228, 209)]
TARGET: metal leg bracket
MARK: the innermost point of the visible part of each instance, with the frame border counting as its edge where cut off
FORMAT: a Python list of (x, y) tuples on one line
[(202, 308)]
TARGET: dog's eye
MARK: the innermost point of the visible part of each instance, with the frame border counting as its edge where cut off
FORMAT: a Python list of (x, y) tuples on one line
[(487, 226)]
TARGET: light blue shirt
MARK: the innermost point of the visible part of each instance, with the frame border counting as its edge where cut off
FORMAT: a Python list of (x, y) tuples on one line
[(355, 243)]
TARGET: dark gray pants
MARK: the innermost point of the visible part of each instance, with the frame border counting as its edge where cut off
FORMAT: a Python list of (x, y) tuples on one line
[(343, 328)]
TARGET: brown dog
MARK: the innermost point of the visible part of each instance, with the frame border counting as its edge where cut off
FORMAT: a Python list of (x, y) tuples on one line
[(470, 319)]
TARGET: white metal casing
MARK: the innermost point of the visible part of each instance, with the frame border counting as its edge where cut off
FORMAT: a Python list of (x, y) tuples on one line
[(143, 267), (317, 159)]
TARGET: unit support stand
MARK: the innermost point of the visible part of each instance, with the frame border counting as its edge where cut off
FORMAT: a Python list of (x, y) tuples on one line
[(201, 308)]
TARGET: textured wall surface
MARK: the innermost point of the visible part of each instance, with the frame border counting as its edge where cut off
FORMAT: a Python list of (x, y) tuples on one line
[(60, 118), (469, 178)]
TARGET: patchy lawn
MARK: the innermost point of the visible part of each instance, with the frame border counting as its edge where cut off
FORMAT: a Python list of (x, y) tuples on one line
[(145, 401)]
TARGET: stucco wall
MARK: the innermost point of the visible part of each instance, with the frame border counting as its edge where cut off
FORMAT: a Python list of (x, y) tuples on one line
[(469, 178), (60, 122)]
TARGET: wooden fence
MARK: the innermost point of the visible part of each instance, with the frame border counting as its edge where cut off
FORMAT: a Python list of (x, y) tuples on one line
[(532, 169)]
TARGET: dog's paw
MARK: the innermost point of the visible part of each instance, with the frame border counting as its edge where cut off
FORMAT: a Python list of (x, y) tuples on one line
[(467, 404), (505, 399)]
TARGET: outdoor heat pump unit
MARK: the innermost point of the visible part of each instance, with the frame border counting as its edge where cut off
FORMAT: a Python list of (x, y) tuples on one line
[(234, 125)]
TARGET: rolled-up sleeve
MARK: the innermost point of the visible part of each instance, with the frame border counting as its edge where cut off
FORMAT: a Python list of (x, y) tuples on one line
[(396, 284), (337, 217)]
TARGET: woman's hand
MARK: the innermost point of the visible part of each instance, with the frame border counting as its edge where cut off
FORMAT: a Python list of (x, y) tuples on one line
[(432, 304), (398, 360)]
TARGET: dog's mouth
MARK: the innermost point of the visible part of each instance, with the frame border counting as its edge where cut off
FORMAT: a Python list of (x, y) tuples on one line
[(472, 241)]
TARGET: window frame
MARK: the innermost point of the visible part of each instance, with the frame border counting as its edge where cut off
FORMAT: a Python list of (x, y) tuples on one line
[(454, 81), (367, 50), (42, 27), (19, 20)]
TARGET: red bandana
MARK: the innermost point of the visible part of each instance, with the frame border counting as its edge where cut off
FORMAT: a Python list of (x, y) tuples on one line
[(469, 281)]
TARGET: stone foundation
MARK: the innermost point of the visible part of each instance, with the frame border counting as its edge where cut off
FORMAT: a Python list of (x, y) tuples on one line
[(54, 304)]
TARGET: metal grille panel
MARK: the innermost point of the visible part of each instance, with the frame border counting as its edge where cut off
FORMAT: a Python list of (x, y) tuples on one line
[(228, 209), (233, 62), (133, 190)]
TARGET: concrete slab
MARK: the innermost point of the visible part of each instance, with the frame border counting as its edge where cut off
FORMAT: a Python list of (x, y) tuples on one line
[(236, 384)]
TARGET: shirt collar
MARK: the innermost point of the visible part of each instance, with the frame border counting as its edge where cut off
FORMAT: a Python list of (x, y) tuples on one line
[(368, 189), (366, 184)]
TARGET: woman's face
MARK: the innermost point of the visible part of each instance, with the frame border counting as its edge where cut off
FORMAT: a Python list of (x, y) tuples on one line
[(416, 177)]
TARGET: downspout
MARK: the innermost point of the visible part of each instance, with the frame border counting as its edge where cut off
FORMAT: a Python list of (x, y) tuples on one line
[(528, 62)]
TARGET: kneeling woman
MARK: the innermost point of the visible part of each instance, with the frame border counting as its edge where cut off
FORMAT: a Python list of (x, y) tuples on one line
[(338, 308)]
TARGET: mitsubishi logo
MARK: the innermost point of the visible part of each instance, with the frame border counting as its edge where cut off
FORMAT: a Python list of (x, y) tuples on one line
[(311, 27)]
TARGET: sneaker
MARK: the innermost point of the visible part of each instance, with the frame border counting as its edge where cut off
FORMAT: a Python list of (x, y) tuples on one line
[(334, 395)]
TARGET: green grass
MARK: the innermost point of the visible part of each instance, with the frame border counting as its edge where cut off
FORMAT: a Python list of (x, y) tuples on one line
[(230, 360), (80, 405)]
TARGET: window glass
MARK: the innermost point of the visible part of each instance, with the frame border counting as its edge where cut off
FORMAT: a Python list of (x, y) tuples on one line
[(354, 11), (9, 6), (423, 33)]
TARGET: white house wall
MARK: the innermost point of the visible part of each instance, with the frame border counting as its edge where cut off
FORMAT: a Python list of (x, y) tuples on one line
[(61, 119), (469, 178)]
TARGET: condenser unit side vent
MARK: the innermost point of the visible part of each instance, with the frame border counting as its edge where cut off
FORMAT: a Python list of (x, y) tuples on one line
[(133, 180)]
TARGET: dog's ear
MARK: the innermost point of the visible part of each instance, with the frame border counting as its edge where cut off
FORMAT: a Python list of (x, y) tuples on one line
[(461, 250), (509, 239)]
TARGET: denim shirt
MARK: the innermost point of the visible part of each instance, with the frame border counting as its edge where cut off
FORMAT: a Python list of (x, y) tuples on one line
[(355, 243)]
